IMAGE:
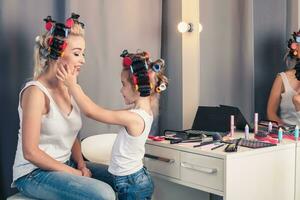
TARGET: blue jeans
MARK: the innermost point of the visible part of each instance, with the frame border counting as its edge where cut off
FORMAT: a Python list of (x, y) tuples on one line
[(136, 186), (57, 185)]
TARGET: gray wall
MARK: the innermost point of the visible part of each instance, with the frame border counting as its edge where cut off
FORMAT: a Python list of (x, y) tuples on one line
[(242, 48), (20, 23), (111, 26), (226, 58), (171, 116), (270, 41), (171, 100)]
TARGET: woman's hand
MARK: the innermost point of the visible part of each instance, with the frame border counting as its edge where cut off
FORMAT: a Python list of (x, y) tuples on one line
[(76, 172), (85, 172), (66, 75)]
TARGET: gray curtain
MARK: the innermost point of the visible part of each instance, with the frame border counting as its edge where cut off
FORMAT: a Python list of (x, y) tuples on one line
[(112, 25), (20, 21)]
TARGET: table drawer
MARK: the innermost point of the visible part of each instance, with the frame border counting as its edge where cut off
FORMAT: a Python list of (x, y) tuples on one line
[(202, 170), (162, 160)]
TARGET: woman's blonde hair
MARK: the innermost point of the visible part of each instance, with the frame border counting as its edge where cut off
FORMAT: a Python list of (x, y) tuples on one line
[(41, 60)]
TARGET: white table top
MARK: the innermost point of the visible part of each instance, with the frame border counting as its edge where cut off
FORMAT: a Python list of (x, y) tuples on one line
[(219, 152)]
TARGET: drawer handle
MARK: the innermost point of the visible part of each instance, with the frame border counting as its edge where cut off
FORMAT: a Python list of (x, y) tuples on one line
[(167, 160), (199, 168)]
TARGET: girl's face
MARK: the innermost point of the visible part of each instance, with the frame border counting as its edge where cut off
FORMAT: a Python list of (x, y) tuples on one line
[(74, 53), (129, 94)]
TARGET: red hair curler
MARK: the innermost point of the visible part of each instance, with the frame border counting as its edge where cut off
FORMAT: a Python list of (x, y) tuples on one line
[(69, 22), (64, 45), (134, 79), (48, 26), (49, 23), (127, 62), (50, 41)]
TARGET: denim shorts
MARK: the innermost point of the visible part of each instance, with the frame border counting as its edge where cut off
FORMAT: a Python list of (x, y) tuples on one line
[(136, 186), (57, 185)]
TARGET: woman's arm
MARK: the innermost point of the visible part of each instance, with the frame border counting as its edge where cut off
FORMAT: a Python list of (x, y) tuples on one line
[(77, 157), (296, 102), (274, 100), (33, 106)]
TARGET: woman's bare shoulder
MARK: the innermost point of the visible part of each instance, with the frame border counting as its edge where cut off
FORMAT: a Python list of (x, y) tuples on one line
[(290, 73), (33, 95)]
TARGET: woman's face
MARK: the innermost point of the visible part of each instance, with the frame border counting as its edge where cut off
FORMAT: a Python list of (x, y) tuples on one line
[(298, 50), (129, 94), (74, 53)]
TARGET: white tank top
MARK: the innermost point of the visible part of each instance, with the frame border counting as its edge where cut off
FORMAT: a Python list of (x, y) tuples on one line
[(128, 151), (57, 135), (288, 113)]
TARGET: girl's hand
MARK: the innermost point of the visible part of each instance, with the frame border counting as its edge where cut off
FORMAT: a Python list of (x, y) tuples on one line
[(66, 75)]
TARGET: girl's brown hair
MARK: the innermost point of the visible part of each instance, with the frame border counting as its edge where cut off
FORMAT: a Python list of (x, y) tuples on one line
[(157, 79)]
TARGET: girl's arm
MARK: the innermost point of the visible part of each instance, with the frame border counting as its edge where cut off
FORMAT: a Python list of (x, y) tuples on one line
[(33, 105), (274, 100), (92, 110), (133, 122)]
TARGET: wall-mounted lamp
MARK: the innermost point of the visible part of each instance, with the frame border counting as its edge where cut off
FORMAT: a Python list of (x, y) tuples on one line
[(200, 27), (185, 27)]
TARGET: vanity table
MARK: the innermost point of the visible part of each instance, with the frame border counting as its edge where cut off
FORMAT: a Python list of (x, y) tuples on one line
[(248, 174)]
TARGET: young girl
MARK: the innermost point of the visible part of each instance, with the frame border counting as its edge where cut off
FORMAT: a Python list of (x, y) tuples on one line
[(142, 82)]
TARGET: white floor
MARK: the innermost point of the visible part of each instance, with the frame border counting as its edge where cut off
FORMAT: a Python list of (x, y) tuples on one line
[(164, 190)]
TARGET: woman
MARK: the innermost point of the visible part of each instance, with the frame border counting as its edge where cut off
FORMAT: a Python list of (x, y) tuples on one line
[(284, 95), (48, 163)]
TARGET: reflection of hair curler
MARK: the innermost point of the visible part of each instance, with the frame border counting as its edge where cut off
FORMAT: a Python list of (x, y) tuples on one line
[(296, 36), (293, 44)]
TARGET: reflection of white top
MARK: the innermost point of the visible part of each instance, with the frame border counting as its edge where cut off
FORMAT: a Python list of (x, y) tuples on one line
[(128, 151), (288, 112), (57, 135)]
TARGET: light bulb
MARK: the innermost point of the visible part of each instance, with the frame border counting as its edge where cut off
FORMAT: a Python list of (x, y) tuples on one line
[(184, 27), (200, 27)]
